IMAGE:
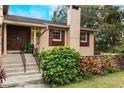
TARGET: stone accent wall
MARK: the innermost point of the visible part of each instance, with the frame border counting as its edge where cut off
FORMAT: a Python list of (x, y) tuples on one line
[(118, 59)]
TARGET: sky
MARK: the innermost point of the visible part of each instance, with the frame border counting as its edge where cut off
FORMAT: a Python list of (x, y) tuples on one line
[(34, 11)]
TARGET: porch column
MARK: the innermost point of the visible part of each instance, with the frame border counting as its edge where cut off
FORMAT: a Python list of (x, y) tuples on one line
[(5, 39), (1, 40), (34, 35)]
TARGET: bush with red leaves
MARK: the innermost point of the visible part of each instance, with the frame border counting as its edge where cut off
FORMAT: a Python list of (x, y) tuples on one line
[(90, 65), (2, 75)]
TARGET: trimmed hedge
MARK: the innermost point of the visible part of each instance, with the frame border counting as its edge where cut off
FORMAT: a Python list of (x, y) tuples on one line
[(60, 66)]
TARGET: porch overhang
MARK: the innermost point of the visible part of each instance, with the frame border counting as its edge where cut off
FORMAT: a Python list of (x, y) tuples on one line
[(56, 26), (23, 23)]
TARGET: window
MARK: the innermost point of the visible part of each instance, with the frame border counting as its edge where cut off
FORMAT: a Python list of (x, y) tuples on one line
[(83, 37), (56, 35)]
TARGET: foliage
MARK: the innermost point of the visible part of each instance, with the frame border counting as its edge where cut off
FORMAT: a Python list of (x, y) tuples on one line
[(120, 47), (89, 15), (60, 14), (97, 65), (41, 32), (92, 16), (88, 66), (108, 65), (60, 65), (27, 48), (109, 35), (107, 38), (2, 75), (111, 14)]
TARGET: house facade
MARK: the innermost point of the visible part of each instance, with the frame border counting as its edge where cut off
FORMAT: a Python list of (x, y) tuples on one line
[(15, 31)]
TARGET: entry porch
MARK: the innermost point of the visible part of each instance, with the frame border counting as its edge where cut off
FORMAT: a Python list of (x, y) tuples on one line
[(15, 36)]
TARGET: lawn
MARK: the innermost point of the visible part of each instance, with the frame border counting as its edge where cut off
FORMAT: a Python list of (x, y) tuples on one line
[(114, 80)]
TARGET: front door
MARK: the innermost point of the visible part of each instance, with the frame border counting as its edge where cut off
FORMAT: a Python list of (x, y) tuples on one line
[(17, 36)]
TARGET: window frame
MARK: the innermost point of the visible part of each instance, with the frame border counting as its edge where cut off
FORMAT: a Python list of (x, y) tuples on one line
[(60, 35), (85, 37), (57, 42), (87, 42)]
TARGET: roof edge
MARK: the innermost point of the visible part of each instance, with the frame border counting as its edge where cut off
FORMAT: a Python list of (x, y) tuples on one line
[(89, 29)]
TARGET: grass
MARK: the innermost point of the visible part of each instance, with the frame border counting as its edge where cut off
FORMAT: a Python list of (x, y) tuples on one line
[(113, 80)]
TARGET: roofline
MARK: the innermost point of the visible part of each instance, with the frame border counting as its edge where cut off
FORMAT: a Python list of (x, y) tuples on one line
[(42, 25), (31, 24), (23, 23), (42, 21), (89, 29), (57, 25)]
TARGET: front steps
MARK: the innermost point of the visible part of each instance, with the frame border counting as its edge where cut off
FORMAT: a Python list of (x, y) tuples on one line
[(16, 77)]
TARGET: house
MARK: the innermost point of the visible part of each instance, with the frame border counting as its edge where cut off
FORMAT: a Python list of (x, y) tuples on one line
[(17, 30)]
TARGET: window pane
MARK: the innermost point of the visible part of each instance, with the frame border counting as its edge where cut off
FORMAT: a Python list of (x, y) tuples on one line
[(56, 35), (83, 37)]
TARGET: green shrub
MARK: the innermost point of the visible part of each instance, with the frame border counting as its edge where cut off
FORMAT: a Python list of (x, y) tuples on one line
[(60, 66), (108, 65), (27, 48), (120, 48)]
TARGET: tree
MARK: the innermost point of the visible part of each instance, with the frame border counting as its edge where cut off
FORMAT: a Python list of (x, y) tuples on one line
[(111, 15), (92, 16), (60, 15), (89, 15), (108, 37), (110, 29)]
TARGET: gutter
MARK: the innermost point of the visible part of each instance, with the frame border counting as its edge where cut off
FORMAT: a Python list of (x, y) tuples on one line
[(89, 29), (58, 25)]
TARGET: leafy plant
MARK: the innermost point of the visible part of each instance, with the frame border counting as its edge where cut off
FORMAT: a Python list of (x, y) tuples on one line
[(27, 48), (97, 65), (108, 65), (120, 47), (60, 65), (108, 37), (88, 66), (2, 75)]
